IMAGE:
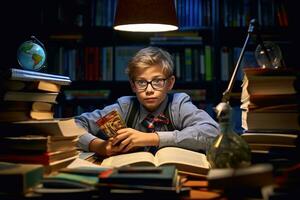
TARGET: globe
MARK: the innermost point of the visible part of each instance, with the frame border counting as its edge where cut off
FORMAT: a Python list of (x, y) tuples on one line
[(268, 55), (31, 55)]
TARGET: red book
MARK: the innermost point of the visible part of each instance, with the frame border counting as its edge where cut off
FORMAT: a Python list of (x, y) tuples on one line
[(42, 158)]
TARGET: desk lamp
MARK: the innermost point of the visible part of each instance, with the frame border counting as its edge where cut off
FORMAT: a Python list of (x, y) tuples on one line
[(229, 150), (145, 16)]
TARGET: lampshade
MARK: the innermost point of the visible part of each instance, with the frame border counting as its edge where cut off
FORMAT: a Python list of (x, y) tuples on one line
[(145, 16)]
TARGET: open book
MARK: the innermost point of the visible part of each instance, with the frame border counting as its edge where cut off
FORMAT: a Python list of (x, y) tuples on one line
[(185, 160)]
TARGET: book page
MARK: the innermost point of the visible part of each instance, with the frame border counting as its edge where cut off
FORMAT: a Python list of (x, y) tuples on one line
[(184, 159), (137, 158), (79, 162)]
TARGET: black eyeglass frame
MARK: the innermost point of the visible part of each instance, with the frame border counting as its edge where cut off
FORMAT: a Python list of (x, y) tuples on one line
[(150, 82)]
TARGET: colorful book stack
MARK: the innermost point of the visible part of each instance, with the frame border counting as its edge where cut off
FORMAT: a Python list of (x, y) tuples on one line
[(29, 95), (29, 132), (270, 111)]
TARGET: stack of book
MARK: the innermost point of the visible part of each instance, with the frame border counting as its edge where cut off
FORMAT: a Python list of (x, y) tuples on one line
[(270, 110), (51, 143), (27, 95), (29, 132)]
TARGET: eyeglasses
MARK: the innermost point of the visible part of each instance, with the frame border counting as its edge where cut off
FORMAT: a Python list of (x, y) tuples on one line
[(156, 84)]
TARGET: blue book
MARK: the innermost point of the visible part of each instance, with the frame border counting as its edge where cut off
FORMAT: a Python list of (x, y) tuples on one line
[(140, 175), (19, 178)]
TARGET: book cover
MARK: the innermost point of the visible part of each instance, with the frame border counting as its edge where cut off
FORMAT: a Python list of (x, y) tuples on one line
[(111, 123), (49, 97), (140, 175), (19, 178), (271, 138), (29, 86), (26, 75), (256, 175), (37, 143), (274, 120), (269, 85), (11, 116), (26, 106), (53, 127), (45, 158)]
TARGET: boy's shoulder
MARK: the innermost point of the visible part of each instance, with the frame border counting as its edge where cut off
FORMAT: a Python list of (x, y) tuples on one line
[(180, 96), (126, 99)]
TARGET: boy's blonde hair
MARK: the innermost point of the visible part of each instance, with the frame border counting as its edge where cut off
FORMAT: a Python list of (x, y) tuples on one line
[(148, 57)]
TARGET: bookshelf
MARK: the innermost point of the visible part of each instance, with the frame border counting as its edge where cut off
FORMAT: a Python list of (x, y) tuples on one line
[(74, 32)]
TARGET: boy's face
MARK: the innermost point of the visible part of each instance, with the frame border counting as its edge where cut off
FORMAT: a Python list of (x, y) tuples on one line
[(148, 96)]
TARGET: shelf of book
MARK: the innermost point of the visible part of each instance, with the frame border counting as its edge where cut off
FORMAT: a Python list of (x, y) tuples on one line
[(76, 32)]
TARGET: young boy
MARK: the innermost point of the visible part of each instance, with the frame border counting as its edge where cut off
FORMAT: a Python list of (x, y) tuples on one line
[(151, 77)]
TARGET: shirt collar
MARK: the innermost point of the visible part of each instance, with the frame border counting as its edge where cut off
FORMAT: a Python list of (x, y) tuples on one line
[(161, 109)]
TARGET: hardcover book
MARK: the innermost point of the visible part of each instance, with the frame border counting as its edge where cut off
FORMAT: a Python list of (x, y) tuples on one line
[(37, 143), (10, 116), (26, 75), (257, 175), (16, 85), (141, 175), (26, 106), (54, 127), (111, 123), (45, 158), (19, 178), (49, 97)]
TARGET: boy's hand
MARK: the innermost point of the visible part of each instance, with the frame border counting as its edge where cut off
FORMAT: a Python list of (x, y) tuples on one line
[(103, 147), (128, 139), (111, 149)]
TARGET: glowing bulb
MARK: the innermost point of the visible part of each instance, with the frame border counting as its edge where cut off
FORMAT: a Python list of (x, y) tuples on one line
[(268, 55)]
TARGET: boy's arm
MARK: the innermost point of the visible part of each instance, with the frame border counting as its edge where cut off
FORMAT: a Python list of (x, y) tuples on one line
[(195, 128), (88, 122)]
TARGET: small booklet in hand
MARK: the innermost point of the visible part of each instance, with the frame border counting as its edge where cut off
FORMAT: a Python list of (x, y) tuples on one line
[(111, 123)]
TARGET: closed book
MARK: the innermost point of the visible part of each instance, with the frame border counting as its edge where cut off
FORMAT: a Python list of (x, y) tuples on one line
[(271, 138), (49, 97), (53, 127), (269, 71), (273, 120), (19, 178), (26, 106), (27, 75), (111, 123), (254, 176), (45, 158), (16, 85), (262, 101), (10, 116), (141, 175), (269, 85), (274, 82), (38, 143)]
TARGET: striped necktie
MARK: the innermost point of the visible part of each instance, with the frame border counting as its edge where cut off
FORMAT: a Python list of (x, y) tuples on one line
[(151, 122)]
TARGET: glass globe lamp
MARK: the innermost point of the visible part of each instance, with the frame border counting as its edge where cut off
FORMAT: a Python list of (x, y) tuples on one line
[(268, 55)]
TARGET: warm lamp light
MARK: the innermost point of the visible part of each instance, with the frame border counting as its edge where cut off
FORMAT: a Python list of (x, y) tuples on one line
[(145, 16)]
